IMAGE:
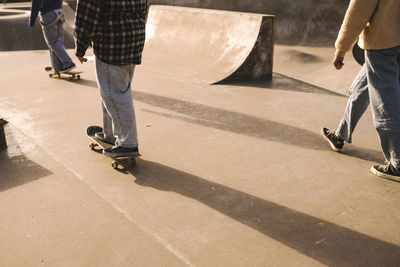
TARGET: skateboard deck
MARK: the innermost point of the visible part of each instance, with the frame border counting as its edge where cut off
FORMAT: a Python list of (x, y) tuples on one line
[(72, 75), (99, 145), (358, 54)]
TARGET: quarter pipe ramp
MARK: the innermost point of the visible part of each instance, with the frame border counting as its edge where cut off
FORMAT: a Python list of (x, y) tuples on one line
[(15, 34), (209, 45)]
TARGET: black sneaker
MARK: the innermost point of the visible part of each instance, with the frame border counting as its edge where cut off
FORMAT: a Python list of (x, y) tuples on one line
[(100, 136), (92, 130), (386, 171), (334, 141), (119, 151)]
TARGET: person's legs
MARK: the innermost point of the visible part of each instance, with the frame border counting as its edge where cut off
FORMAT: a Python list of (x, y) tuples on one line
[(356, 106), (53, 32), (118, 110), (106, 132), (107, 123), (384, 90), (56, 64)]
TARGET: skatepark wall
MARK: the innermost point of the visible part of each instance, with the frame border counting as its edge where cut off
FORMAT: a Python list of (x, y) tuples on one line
[(15, 34), (298, 22)]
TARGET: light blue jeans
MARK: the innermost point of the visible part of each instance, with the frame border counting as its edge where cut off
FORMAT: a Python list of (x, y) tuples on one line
[(53, 32), (119, 119), (384, 91), (357, 104)]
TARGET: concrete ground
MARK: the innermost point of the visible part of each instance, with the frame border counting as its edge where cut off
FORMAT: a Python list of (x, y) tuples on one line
[(230, 175)]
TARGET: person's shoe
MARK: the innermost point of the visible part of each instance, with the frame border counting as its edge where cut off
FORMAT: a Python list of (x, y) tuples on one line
[(119, 151), (334, 141), (387, 171), (100, 136), (68, 69), (92, 130)]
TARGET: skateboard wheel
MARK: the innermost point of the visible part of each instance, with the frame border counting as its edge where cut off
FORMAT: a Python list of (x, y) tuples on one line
[(114, 165), (78, 77), (92, 146)]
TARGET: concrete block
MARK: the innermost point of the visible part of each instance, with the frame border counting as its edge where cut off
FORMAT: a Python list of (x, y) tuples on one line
[(3, 142)]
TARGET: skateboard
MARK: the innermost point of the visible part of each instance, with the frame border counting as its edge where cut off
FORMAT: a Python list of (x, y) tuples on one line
[(358, 54), (98, 145), (72, 75)]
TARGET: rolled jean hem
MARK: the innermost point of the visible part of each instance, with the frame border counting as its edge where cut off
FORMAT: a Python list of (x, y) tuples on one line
[(347, 140)]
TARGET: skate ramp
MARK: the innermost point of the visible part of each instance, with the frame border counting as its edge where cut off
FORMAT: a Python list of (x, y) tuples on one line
[(305, 22), (15, 34), (209, 45)]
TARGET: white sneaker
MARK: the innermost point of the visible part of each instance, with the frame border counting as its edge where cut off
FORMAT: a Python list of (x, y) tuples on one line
[(68, 69)]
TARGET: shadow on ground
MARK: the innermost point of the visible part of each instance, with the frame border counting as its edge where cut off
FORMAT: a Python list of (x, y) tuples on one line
[(286, 83), (15, 168), (363, 153), (88, 83), (246, 125), (232, 121), (249, 125), (326, 242)]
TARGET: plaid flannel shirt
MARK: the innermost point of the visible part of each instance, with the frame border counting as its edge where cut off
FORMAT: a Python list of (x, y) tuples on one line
[(115, 29)]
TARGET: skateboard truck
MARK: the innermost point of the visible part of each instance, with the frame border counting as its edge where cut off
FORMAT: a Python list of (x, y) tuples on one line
[(118, 161), (97, 143)]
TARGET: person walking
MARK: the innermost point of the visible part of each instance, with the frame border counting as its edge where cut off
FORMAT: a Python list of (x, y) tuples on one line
[(356, 105), (52, 20), (116, 30), (378, 22)]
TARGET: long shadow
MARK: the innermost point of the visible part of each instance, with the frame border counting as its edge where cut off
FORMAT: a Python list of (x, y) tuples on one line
[(283, 82), (326, 242), (246, 125), (363, 153), (350, 150), (278, 82), (15, 168), (234, 122), (84, 82)]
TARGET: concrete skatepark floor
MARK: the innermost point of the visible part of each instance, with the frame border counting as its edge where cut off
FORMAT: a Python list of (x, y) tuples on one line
[(231, 175)]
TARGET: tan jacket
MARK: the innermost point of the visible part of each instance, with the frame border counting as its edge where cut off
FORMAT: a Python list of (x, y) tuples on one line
[(377, 20)]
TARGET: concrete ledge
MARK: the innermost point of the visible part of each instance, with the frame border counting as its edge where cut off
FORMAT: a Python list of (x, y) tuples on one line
[(3, 142), (259, 63), (210, 45)]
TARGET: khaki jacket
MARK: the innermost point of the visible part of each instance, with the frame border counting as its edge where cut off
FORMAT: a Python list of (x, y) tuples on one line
[(378, 21)]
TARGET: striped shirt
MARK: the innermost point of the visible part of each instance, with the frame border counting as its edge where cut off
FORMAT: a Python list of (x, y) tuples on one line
[(115, 29)]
